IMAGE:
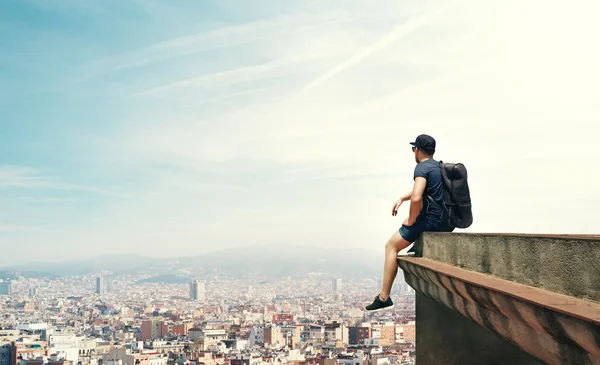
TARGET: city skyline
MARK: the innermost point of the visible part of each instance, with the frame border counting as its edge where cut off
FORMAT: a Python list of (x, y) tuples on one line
[(65, 323), (144, 126)]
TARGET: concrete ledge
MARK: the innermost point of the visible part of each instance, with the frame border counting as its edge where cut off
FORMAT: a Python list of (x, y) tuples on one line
[(554, 328), (567, 264)]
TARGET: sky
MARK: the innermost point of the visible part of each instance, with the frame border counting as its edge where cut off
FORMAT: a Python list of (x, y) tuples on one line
[(175, 128)]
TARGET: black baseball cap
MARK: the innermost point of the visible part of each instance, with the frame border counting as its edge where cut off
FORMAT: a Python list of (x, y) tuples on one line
[(425, 143)]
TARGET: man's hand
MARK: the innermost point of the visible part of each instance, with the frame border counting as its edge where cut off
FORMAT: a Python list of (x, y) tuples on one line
[(397, 205)]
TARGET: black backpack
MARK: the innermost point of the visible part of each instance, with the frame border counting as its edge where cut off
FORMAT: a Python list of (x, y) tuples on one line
[(457, 199)]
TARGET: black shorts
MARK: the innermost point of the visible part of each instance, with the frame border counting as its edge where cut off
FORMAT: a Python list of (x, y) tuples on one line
[(424, 223)]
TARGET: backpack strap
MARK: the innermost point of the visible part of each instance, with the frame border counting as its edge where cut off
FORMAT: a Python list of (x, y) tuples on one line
[(432, 201), (447, 181)]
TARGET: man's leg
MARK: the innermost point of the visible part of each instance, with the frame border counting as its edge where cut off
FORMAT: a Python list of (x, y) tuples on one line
[(390, 268)]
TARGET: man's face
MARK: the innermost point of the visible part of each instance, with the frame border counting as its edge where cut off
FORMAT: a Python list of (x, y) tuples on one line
[(416, 152)]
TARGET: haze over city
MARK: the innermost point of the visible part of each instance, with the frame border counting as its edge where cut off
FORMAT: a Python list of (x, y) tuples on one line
[(175, 129)]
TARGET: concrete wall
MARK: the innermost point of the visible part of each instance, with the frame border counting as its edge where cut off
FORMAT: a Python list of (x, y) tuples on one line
[(466, 316), (446, 337), (563, 264)]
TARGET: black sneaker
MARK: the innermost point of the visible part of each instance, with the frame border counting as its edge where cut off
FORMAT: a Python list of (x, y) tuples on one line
[(379, 304)]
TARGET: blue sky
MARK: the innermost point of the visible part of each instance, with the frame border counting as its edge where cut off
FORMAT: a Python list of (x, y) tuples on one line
[(176, 128)]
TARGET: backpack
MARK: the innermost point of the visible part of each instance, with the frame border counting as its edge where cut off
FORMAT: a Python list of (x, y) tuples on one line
[(457, 199)]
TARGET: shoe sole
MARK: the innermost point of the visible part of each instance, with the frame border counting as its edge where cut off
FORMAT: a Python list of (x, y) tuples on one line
[(381, 309)]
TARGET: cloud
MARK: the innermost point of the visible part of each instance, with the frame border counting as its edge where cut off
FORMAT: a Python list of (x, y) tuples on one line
[(394, 35), (29, 178), (222, 79), (229, 36), (29, 229)]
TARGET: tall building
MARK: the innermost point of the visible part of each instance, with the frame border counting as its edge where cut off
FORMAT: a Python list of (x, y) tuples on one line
[(197, 290), (6, 288), (150, 329), (99, 285), (337, 285), (32, 291)]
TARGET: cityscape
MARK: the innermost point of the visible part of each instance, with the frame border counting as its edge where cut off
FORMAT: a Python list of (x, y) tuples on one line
[(131, 320)]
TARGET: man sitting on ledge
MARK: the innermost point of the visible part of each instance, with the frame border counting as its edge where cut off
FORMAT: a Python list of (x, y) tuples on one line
[(426, 214)]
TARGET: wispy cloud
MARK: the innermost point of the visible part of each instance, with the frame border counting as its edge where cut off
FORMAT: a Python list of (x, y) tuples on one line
[(394, 35), (44, 200), (238, 75), (25, 177), (220, 38), (30, 228)]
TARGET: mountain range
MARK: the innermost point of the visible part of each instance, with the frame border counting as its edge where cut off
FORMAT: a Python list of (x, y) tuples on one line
[(263, 260)]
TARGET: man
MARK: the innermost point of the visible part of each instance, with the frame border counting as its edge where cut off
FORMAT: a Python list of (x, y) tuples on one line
[(426, 214)]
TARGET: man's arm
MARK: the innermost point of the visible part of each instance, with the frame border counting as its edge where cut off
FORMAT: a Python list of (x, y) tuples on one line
[(416, 200), (406, 197), (399, 202)]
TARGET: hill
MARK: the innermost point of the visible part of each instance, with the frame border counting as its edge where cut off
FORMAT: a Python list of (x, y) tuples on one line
[(165, 279), (269, 261)]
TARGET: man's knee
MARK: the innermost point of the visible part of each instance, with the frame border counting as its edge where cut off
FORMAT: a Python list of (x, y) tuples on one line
[(396, 243), (390, 244)]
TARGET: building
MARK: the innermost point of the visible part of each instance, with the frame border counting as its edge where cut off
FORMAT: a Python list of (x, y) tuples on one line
[(273, 336), (100, 285), (292, 335), (8, 336), (28, 351), (32, 327), (358, 335), (32, 292), (205, 338), (335, 332), (120, 356), (150, 329), (163, 347), (5, 353), (337, 285), (242, 359), (283, 318), (387, 335), (6, 288), (257, 336), (182, 329), (195, 334), (65, 346), (357, 358), (26, 306), (198, 290), (157, 328), (410, 334), (316, 333)]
